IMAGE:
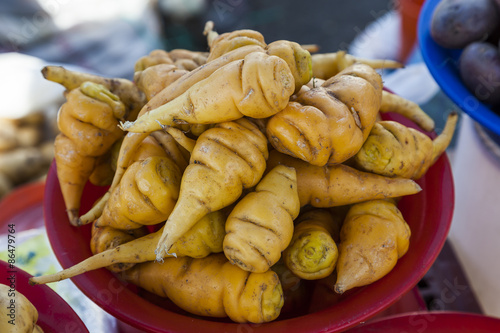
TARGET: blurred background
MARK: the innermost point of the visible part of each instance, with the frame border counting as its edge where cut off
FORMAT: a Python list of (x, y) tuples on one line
[(107, 37)]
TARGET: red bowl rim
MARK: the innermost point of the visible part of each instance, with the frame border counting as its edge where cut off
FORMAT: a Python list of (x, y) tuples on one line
[(438, 190)]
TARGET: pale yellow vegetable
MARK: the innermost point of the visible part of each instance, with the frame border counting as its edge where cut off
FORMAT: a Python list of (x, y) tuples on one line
[(393, 149), (373, 237), (212, 287), (326, 65), (257, 86), (221, 44), (339, 185), (329, 123), (260, 226), (105, 238), (411, 110), (25, 316), (312, 253), (226, 159), (121, 252), (146, 195)]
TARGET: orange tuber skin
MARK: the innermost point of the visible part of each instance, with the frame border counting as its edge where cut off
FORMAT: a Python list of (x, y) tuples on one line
[(394, 150), (260, 226), (312, 253), (339, 185), (328, 124), (119, 250), (146, 195), (373, 237), (213, 287), (226, 159)]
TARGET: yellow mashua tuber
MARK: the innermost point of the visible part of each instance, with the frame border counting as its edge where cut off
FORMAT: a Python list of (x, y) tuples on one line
[(226, 159), (339, 185), (204, 238), (146, 195), (26, 314), (88, 124), (212, 287), (312, 253), (373, 237), (260, 226), (326, 65), (393, 149), (257, 86), (328, 124)]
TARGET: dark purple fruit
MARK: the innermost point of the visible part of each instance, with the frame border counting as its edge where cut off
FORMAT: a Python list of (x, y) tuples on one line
[(479, 67), (456, 23)]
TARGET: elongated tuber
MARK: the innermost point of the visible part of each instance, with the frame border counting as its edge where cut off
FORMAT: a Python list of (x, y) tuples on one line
[(105, 238), (260, 226), (410, 110), (257, 86), (373, 237), (146, 195), (226, 159), (213, 287), (326, 65), (204, 238), (328, 124), (393, 149), (340, 185), (131, 96)]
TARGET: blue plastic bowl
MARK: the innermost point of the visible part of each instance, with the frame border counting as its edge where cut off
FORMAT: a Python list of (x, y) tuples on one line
[(443, 66)]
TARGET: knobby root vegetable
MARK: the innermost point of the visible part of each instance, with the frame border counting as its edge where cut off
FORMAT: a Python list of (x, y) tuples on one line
[(298, 60), (393, 149), (221, 44), (105, 238), (73, 172), (257, 86), (260, 226), (89, 117), (339, 185), (373, 237), (204, 238), (155, 57), (326, 65), (226, 159), (170, 92), (88, 124), (213, 287), (26, 315), (187, 59), (154, 79), (410, 110), (131, 96), (312, 253), (146, 195), (157, 144), (328, 124)]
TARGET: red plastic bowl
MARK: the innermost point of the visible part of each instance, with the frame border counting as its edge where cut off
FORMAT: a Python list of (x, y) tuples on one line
[(432, 322), (428, 213), (54, 314)]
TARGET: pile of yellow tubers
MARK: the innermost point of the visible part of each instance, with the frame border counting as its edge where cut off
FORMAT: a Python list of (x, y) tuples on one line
[(229, 168)]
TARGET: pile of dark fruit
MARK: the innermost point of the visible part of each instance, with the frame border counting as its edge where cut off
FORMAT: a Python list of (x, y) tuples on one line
[(474, 27)]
